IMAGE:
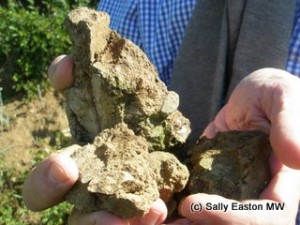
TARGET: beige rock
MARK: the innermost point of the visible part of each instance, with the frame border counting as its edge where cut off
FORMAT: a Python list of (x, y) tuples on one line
[(129, 118), (115, 82), (119, 104), (118, 174)]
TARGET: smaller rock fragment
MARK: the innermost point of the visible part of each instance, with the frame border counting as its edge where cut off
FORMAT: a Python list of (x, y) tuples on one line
[(118, 174), (171, 103), (171, 176), (234, 164)]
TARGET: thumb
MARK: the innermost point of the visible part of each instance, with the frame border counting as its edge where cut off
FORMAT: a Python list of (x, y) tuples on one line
[(60, 73), (48, 183), (284, 117), (284, 135)]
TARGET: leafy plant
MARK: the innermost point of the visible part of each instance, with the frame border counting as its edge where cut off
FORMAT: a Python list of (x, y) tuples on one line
[(31, 34), (12, 209)]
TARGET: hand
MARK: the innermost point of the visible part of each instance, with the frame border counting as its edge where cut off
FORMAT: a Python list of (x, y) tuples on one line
[(267, 100), (50, 181), (60, 73)]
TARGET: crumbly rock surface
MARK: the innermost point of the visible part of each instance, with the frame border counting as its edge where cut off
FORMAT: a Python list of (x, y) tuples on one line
[(234, 164), (127, 123), (115, 82), (120, 175), (124, 117)]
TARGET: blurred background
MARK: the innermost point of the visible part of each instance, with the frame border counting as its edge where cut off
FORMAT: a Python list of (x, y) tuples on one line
[(33, 123)]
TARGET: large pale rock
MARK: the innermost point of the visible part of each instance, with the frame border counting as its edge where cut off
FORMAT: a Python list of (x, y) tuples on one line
[(120, 107), (115, 82)]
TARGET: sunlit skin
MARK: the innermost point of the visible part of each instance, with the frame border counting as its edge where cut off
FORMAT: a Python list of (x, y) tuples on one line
[(267, 100)]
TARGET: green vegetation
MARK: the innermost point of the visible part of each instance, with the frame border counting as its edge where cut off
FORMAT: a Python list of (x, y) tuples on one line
[(12, 209), (31, 34)]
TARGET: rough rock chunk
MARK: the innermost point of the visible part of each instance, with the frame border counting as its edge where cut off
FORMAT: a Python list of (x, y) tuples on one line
[(119, 104), (118, 174), (125, 117), (115, 82), (171, 176), (234, 164)]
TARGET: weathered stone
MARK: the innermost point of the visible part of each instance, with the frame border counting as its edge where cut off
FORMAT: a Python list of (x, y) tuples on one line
[(171, 176), (115, 82), (118, 174), (119, 104), (234, 164)]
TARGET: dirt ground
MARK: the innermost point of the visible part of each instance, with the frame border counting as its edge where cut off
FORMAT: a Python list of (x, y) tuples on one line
[(33, 126)]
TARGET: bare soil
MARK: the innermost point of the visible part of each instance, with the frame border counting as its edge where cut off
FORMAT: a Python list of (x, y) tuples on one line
[(33, 126)]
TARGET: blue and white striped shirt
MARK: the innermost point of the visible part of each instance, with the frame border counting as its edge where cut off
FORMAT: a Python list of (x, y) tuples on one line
[(158, 27)]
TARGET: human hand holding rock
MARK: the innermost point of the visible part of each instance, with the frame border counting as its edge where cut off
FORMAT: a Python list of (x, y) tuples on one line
[(284, 185), (66, 80), (266, 100), (168, 129), (49, 183)]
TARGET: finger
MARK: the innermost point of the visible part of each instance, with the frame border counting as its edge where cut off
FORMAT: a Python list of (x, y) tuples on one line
[(283, 191), (218, 210), (156, 215), (266, 100), (95, 218), (279, 102), (60, 72), (181, 222), (217, 125), (48, 183), (285, 129), (197, 209), (284, 186)]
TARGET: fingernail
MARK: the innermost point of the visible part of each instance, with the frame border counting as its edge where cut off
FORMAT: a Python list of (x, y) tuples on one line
[(57, 174)]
